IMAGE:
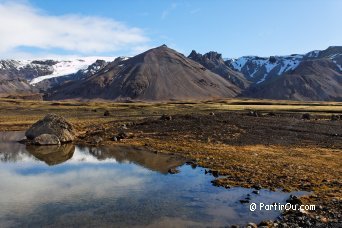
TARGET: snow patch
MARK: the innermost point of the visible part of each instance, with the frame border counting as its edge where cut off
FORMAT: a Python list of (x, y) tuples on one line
[(339, 66), (313, 54), (70, 66)]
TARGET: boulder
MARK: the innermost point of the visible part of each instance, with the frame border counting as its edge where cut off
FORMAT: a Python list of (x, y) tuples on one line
[(46, 139), (54, 125)]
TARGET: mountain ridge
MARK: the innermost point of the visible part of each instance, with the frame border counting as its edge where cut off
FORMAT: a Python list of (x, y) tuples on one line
[(273, 77)]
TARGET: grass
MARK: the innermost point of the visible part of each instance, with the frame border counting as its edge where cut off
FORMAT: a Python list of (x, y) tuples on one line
[(19, 114)]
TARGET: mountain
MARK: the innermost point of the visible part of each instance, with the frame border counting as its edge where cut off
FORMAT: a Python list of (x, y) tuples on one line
[(315, 76), (164, 74), (260, 69), (15, 87), (46, 84), (312, 80), (22, 76), (157, 74), (214, 62)]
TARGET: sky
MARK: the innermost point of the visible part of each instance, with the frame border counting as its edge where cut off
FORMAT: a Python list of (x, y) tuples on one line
[(57, 28)]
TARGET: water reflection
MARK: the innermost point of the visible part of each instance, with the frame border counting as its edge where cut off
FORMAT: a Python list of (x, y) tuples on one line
[(114, 187), (52, 155)]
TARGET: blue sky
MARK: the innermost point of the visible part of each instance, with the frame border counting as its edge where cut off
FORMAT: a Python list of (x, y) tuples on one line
[(108, 27)]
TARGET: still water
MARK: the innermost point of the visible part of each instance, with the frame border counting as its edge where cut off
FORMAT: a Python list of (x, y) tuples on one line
[(114, 186)]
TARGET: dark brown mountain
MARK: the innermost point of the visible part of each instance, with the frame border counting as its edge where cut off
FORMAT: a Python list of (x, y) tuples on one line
[(157, 74), (312, 80), (215, 63)]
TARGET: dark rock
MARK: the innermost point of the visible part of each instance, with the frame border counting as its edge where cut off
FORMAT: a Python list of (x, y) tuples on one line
[(46, 139), (266, 223), (96, 140), (335, 117), (306, 116), (257, 186), (166, 117), (215, 173), (294, 200), (244, 201), (256, 192), (173, 171), (54, 125), (253, 113), (122, 135), (212, 113), (106, 113)]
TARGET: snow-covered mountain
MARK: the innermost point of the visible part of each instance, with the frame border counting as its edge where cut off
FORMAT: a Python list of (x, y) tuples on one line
[(260, 69), (316, 75), (31, 76), (35, 71)]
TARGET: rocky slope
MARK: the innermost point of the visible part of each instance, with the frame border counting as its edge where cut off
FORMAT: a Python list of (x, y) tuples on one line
[(312, 80), (157, 74), (215, 63)]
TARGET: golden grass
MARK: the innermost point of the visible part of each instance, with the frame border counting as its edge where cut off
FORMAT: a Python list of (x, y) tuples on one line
[(18, 114)]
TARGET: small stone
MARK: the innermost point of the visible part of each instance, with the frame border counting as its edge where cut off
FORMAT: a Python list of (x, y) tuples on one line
[(257, 186), (115, 139), (212, 114), (256, 192), (166, 117), (122, 135), (173, 171), (253, 113), (252, 225), (306, 116), (244, 201), (294, 200), (106, 113)]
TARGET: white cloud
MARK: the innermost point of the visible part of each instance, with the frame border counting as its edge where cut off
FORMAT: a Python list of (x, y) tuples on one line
[(22, 25)]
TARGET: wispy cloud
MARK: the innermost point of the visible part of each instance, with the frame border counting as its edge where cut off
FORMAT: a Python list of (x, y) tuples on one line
[(25, 26), (167, 11)]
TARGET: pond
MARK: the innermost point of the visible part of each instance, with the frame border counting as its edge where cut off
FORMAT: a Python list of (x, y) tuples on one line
[(114, 186)]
